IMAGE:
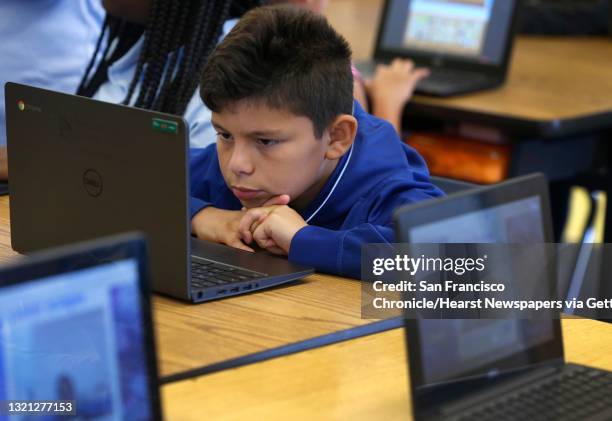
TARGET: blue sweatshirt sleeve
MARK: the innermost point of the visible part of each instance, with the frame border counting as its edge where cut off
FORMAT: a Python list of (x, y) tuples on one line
[(370, 221), (337, 252), (206, 182), (205, 179), (201, 172), (196, 205)]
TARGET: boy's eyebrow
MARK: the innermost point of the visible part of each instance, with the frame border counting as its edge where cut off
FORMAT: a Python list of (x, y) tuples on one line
[(256, 133), (217, 126), (263, 133)]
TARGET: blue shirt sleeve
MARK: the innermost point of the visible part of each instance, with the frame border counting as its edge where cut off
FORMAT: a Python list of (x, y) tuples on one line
[(339, 251), (336, 252), (207, 185), (199, 174)]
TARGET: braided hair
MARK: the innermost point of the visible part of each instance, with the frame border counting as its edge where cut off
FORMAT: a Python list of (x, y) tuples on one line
[(178, 38)]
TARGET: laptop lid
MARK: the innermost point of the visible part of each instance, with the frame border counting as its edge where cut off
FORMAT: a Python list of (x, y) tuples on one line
[(76, 162), (75, 326), (444, 354), (473, 35)]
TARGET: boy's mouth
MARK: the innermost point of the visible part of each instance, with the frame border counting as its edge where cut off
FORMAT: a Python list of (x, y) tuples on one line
[(243, 193)]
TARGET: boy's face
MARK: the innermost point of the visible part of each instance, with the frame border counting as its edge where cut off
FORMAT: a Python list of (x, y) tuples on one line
[(265, 152)]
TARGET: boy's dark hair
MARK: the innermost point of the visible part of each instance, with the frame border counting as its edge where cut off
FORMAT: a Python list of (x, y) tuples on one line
[(289, 58), (194, 25)]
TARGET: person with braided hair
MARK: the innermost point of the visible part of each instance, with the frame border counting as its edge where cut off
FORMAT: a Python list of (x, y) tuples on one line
[(151, 52)]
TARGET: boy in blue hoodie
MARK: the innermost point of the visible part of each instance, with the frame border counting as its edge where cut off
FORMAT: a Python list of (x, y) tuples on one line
[(299, 168)]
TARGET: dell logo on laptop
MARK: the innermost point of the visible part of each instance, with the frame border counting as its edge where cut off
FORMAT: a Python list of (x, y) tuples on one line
[(92, 180)]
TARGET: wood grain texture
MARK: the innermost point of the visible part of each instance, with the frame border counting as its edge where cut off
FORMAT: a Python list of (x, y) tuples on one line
[(6, 252), (361, 379), (192, 336), (550, 79)]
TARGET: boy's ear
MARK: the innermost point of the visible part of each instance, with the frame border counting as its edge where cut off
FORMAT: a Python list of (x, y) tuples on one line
[(342, 133)]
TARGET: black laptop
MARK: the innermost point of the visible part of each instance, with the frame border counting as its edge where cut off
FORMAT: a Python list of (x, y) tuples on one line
[(82, 168), (494, 369), (76, 335), (467, 44)]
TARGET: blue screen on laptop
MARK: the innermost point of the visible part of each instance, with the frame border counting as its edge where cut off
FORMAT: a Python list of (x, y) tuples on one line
[(76, 336)]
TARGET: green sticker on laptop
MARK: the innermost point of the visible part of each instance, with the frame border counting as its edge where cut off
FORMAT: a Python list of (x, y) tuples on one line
[(166, 126)]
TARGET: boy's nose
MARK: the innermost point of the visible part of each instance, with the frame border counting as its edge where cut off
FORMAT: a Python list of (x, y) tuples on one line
[(240, 162)]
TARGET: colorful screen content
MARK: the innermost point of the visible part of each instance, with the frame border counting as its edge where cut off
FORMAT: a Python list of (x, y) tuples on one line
[(470, 30), (77, 336), (454, 26)]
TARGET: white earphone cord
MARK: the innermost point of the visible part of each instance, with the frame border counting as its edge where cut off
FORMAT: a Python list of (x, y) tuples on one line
[(333, 187)]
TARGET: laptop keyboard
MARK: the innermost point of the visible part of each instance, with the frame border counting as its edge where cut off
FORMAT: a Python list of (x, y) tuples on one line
[(208, 273), (441, 78), (575, 393)]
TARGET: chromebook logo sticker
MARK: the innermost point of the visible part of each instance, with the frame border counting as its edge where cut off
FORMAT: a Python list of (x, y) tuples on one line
[(27, 107)]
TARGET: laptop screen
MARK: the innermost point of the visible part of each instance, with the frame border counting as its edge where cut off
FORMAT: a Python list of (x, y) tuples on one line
[(519, 221), (474, 30), (451, 350), (77, 336)]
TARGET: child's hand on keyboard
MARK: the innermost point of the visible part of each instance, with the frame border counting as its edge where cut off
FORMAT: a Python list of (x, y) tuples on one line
[(392, 87)]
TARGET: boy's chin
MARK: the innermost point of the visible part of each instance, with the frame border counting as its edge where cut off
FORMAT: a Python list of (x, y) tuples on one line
[(250, 204), (260, 201)]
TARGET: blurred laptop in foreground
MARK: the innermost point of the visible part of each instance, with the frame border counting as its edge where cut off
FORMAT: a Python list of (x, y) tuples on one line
[(75, 328), (495, 369)]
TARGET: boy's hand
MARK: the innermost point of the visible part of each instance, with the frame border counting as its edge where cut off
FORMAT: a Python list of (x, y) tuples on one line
[(272, 227), (221, 226), (254, 216)]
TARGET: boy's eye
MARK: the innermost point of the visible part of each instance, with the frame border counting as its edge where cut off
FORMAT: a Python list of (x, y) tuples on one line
[(267, 142), (224, 136)]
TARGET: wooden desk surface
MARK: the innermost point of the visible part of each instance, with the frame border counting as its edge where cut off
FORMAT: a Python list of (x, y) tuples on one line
[(365, 378), (191, 336), (556, 85)]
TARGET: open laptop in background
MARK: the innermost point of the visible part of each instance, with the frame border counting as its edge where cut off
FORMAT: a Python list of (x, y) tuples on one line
[(82, 169), (76, 330), (494, 369), (466, 44)]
